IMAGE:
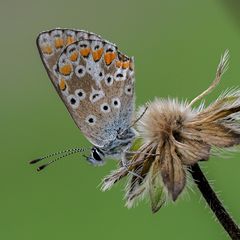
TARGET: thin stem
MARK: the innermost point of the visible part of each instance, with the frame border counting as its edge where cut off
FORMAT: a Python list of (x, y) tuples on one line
[(214, 203)]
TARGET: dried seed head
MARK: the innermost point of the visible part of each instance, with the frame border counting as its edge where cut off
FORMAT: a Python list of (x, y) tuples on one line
[(172, 136)]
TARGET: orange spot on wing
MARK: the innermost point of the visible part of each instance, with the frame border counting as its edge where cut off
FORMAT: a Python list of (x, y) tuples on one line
[(119, 64), (62, 85), (47, 49), (69, 40), (74, 56), (85, 52), (125, 64), (66, 69), (59, 42), (109, 57), (97, 54)]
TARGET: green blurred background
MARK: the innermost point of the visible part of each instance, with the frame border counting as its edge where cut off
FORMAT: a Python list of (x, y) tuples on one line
[(177, 45)]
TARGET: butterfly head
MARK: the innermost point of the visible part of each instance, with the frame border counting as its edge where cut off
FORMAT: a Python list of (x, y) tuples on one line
[(113, 149), (96, 156)]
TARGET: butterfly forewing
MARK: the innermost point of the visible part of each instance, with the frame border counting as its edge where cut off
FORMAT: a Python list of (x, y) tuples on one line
[(94, 80)]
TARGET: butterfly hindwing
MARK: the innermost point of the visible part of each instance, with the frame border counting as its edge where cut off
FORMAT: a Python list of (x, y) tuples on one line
[(100, 74)]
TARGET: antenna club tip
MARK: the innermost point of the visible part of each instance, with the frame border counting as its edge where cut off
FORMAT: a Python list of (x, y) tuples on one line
[(41, 167), (35, 160)]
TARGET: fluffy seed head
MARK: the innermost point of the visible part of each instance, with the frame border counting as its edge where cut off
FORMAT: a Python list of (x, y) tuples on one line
[(164, 118), (174, 136)]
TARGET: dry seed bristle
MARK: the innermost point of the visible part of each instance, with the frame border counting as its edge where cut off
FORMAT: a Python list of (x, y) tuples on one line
[(221, 69)]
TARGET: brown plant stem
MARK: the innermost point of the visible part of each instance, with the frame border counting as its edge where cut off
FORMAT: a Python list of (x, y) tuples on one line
[(214, 203)]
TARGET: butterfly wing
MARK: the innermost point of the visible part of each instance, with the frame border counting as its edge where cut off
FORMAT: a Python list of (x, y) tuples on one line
[(97, 87), (51, 44), (93, 79)]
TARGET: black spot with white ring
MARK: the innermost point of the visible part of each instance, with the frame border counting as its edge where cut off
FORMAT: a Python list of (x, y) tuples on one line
[(73, 101), (108, 80), (80, 71), (128, 90), (116, 103), (91, 120), (105, 108), (98, 75), (80, 94), (120, 75)]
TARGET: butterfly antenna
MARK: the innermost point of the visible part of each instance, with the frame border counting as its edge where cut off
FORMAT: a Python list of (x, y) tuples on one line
[(56, 159), (65, 154), (54, 154)]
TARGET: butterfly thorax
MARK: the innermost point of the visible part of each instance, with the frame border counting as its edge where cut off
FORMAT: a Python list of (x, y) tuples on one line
[(114, 149)]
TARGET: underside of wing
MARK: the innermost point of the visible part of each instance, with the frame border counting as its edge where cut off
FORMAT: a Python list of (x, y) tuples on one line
[(94, 80), (51, 44)]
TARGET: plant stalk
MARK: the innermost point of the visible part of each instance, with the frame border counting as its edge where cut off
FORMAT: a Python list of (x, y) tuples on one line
[(214, 203)]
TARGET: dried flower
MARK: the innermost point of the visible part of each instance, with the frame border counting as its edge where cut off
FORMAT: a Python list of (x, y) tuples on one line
[(174, 136)]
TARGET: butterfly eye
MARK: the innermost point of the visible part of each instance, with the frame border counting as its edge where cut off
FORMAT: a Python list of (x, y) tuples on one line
[(105, 108), (74, 102), (128, 90), (80, 71), (108, 80), (116, 103), (96, 155), (91, 120)]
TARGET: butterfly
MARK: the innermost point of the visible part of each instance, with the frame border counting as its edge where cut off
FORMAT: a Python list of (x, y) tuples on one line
[(95, 81)]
